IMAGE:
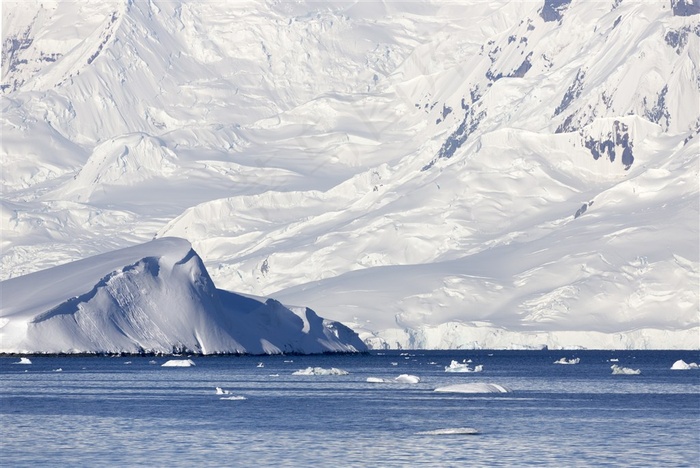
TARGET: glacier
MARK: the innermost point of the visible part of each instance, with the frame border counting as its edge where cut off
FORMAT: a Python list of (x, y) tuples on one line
[(434, 175), (153, 298)]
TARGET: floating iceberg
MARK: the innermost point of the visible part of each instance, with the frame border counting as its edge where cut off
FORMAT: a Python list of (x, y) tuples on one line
[(568, 361), (407, 378), (376, 380), (463, 367), (261, 364), (682, 365), (221, 391), (320, 371), (451, 431), (23, 360), (179, 363), (617, 370), (234, 397), (476, 387)]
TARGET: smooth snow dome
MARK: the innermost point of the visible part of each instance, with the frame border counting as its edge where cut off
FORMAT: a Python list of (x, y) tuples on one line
[(619, 370), (178, 363), (567, 361), (475, 387), (155, 297), (682, 365), (308, 151), (463, 366), (320, 371)]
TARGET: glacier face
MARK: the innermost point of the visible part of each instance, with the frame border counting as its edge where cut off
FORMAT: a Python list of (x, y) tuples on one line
[(432, 174), (156, 297)]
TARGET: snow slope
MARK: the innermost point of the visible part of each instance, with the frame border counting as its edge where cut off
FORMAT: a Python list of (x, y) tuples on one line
[(158, 298), (432, 174)]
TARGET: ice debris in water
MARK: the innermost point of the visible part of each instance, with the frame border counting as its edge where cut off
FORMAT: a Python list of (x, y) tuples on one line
[(221, 391), (320, 371), (476, 387), (407, 378), (463, 367), (682, 365), (234, 397), (451, 431), (179, 363), (23, 360), (617, 370), (568, 361)]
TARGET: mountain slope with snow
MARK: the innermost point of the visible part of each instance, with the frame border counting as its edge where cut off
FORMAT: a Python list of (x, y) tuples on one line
[(157, 298), (432, 174)]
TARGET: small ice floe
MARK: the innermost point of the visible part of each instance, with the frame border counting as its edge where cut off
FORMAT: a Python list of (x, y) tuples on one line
[(568, 361), (476, 387), (320, 371), (617, 370), (274, 375), (614, 360), (127, 363), (221, 391), (23, 360), (261, 364), (178, 363), (376, 380), (289, 361), (233, 397), (58, 370), (407, 378), (463, 367), (152, 362), (451, 431), (682, 365)]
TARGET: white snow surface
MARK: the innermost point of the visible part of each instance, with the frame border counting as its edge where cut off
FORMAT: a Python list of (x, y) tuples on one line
[(155, 297), (474, 387), (421, 171)]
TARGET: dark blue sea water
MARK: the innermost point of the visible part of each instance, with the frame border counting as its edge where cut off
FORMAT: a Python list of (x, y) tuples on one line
[(129, 411)]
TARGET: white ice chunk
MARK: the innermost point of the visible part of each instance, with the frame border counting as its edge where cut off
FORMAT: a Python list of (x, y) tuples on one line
[(682, 365), (617, 370), (407, 378), (233, 397), (476, 387), (221, 391), (261, 364), (451, 431), (179, 363), (375, 380), (320, 371), (568, 361), (23, 360), (463, 367)]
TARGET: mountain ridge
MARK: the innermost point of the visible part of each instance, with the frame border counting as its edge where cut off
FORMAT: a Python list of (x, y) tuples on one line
[(555, 139)]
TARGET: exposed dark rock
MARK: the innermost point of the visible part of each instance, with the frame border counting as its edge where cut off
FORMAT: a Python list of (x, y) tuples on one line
[(572, 93), (553, 9), (685, 7), (659, 112), (581, 210), (617, 140), (469, 124)]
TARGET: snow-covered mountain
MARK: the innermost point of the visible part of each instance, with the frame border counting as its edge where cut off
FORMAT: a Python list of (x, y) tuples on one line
[(157, 298), (432, 174)]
